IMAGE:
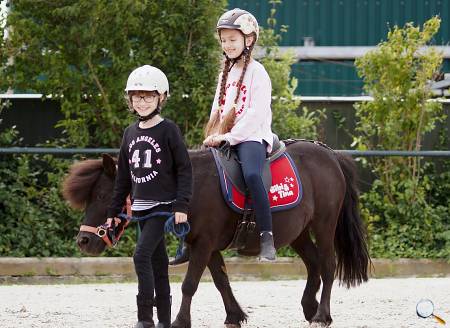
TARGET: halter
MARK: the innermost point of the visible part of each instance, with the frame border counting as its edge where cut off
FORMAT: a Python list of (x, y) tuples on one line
[(108, 235)]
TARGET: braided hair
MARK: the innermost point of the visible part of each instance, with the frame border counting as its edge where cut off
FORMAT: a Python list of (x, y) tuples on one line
[(215, 125)]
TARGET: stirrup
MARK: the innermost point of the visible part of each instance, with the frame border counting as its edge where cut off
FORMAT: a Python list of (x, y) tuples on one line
[(182, 258)]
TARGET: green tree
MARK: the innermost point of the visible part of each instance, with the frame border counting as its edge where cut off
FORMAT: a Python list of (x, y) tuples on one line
[(81, 52), (397, 76), (402, 219)]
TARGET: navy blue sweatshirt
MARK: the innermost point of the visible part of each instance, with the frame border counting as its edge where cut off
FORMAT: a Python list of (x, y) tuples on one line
[(153, 165)]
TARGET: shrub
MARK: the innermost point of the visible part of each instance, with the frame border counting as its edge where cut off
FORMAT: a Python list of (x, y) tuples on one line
[(403, 219)]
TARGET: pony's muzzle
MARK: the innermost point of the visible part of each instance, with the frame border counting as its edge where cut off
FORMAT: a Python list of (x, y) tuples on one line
[(82, 241), (89, 243)]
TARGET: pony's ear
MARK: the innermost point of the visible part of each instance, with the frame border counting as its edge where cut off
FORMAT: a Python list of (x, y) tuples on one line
[(109, 165)]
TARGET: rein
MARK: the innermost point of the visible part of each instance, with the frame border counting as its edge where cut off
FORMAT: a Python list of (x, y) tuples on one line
[(179, 230), (112, 235)]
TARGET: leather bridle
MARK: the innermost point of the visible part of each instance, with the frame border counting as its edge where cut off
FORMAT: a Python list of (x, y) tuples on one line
[(109, 235)]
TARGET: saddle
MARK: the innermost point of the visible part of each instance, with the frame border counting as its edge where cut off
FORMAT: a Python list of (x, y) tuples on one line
[(227, 158)]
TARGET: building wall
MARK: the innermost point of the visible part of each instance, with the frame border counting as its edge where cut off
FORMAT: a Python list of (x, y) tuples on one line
[(344, 23)]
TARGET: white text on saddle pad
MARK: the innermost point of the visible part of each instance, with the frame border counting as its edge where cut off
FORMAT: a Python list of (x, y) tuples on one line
[(282, 190)]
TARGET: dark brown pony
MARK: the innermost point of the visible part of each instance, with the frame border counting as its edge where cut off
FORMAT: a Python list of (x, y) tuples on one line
[(328, 212)]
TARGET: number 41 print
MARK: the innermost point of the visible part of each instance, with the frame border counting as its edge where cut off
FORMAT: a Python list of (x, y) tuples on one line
[(148, 158)]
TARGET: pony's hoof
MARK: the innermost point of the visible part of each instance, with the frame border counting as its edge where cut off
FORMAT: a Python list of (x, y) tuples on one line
[(318, 325), (232, 325), (180, 324)]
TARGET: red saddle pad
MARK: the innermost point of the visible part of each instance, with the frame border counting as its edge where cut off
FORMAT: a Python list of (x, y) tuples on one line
[(285, 191)]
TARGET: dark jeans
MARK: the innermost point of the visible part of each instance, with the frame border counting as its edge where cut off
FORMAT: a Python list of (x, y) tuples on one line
[(252, 155), (151, 262)]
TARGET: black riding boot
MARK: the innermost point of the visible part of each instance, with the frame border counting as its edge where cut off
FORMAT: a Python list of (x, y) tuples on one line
[(182, 258), (163, 308), (268, 252), (144, 312)]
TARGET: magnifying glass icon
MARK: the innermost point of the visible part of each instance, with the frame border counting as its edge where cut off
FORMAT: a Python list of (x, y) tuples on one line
[(425, 309)]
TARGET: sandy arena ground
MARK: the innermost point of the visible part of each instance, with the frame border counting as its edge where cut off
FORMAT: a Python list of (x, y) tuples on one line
[(380, 303)]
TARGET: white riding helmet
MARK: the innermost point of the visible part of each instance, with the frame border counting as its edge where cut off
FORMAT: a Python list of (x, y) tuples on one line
[(239, 19), (147, 78)]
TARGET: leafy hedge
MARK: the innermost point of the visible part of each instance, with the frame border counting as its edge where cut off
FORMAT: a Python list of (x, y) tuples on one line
[(35, 220), (417, 228)]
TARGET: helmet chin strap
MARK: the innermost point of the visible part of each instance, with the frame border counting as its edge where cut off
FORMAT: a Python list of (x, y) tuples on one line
[(151, 115)]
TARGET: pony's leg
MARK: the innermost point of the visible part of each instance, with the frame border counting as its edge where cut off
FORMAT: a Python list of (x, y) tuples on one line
[(199, 258), (235, 315), (324, 235), (305, 247)]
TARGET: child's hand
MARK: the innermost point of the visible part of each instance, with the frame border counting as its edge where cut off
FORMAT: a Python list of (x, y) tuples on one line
[(180, 217), (214, 140)]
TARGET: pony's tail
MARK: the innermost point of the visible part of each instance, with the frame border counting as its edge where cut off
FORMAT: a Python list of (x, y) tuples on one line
[(350, 239)]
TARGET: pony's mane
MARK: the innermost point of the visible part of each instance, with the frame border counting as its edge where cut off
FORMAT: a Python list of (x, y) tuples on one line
[(78, 183)]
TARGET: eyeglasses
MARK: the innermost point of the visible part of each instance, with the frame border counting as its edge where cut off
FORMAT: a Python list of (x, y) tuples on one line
[(147, 99)]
